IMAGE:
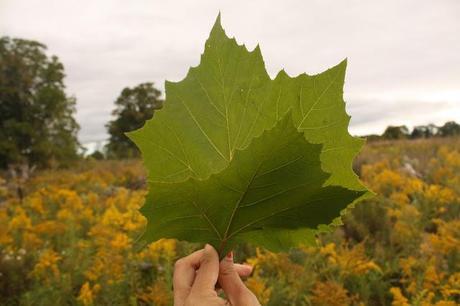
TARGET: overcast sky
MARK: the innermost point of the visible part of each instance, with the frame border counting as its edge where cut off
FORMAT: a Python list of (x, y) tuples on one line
[(403, 55)]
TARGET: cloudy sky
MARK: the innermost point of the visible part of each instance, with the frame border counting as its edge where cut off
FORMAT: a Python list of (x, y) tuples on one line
[(404, 55)]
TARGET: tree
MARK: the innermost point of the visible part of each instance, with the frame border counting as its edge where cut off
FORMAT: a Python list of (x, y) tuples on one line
[(450, 128), (133, 107), (396, 132), (424, 131), (97, 155), (36, 115)]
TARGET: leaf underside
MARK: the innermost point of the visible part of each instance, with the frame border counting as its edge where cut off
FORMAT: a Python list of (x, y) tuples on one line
[(219, 128)]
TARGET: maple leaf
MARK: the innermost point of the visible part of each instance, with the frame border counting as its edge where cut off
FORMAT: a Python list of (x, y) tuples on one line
[(215, 113)]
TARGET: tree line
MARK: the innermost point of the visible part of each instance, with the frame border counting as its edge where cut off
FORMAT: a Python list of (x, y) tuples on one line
[(450, 128), (37, 123)]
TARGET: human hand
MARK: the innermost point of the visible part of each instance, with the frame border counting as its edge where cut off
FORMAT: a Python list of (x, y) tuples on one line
[(196, 276)]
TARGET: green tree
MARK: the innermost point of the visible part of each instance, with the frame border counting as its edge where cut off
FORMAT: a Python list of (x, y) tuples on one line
[(396, 132), (36, 115), (133, 107), (424, 131), (450, 128)]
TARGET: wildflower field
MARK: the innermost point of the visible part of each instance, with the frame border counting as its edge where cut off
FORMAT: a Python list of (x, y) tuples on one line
[(68, 237)]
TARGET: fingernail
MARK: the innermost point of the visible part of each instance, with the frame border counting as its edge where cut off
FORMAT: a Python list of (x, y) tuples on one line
[(207, 248), (230, 255)]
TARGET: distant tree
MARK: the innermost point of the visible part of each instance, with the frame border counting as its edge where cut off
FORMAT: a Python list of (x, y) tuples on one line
[(424, 131), (133, 107), (36, 115), (98, 155), (450, 128), (396, 132)]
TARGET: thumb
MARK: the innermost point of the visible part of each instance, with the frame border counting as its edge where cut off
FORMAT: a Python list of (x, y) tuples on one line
[(206, 276), (233, 286)]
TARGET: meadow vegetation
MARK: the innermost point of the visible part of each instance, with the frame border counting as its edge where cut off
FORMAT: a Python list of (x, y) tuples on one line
[(69, 237)]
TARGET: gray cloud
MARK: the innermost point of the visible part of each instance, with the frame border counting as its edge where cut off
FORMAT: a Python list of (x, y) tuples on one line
[(373, 116), (403, 68)]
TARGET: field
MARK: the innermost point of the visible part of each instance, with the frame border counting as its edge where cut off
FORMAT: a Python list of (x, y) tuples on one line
[(68, 237)]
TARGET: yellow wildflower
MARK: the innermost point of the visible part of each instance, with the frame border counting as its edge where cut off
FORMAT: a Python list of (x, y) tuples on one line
[(36, 203), (20, 220), (5, 237), (452, 287), (259, 287), (431, 278), (47, 263), (398, 298), (121, 241), (50, 227), (156, 294), (446, 303), (162, 248), (330, 294), (31, 241), (86, 295)]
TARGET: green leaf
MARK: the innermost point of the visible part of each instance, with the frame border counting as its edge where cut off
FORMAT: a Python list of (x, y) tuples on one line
[(272, 187), (229, 99), (215, 113), (208, 115)]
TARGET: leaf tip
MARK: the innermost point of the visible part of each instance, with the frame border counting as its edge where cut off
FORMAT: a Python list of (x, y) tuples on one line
[(282, 74), (217, 23), (343, 64), (131, 134)]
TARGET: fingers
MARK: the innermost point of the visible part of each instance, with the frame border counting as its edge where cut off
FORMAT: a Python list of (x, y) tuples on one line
[(243, 270), (196, 275), (208, 272), (184, 274), (232, 284), (229, 279)]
